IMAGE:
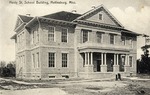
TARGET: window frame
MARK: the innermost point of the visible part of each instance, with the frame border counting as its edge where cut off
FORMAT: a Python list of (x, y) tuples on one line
[(131, 61), (101, 40), (33, 60), (124, 40), (87, 38), (131, 42), (50, 66), (66, 36), (64, 61), (100, 16), (112, 35), (50, 33), (38, 59)]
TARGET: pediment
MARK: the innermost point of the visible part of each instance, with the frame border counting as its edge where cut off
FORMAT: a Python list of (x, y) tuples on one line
[(100, 15)]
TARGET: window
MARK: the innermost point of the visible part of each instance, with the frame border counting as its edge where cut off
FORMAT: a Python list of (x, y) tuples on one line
[(131, 42), (112, 39), (32, 37), (51, 59), (33, 60), (51, 34), (130, 61), (64, 59), (85, 35), (38, 65), (64, 35), (123, 39), (37, 36), (100, 16), (99, 37)]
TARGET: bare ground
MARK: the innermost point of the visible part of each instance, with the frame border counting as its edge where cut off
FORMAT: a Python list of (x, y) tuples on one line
[(80, 87)]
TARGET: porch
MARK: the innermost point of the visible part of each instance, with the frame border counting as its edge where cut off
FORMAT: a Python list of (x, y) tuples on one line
[(105, 62)]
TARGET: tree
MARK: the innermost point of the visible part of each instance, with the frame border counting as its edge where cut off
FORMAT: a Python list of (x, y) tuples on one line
[(144, 63), (7, 70)]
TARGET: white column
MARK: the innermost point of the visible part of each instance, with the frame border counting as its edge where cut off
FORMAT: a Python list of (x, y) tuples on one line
[(126, 59), (91, 58), (127, 69), (85, 58), (102, 63), (114, 59), (117, 59), (104, 58), (88, 58)]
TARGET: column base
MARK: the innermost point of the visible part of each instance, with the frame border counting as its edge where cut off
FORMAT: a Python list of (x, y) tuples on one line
[(127, 68), (103, 68), (88, 68), (115, 68)]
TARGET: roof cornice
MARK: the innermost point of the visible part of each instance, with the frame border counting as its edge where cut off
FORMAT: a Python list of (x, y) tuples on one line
[(96, 24), (49, 20), (61, 21)]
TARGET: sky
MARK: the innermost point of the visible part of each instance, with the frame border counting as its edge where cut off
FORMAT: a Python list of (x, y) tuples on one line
[(132, 14)]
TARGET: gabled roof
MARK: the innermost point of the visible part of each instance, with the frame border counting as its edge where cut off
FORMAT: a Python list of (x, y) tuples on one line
[(63, 15), (97, 8), (25, 18)]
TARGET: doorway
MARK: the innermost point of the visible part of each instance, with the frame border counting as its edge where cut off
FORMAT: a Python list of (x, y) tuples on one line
[(98, 65)]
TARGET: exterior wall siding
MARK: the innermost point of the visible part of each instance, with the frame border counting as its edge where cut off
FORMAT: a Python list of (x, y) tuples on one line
[(74, 47)]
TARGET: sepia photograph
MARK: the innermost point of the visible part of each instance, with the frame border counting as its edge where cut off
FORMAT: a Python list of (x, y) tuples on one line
[(74, 47)]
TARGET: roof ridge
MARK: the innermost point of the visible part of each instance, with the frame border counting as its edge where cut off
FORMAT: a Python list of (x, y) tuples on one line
[(60, 12)]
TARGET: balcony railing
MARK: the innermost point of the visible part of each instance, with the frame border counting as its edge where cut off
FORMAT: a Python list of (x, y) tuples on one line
[(90, 45)]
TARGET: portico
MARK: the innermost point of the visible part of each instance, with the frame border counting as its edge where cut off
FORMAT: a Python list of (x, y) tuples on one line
[(105, 62)]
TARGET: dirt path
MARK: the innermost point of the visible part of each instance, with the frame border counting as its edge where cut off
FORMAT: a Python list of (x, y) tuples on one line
[(38, 91)]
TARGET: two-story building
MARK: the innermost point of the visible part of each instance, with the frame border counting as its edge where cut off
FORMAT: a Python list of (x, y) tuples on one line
[(65, 44)]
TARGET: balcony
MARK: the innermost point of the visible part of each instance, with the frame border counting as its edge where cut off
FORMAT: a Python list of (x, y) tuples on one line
[(102, 46)]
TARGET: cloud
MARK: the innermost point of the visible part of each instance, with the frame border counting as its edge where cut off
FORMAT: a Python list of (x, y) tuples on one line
[(136, 20)]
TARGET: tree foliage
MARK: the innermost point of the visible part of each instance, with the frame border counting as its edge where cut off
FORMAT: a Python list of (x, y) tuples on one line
[(143, 65), (7, 70)]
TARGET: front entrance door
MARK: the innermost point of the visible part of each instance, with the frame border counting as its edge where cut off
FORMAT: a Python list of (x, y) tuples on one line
[(98, 65)]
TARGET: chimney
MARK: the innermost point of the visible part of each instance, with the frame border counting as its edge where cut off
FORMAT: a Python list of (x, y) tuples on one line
[(28, 14), (73, 11), (93, 7)]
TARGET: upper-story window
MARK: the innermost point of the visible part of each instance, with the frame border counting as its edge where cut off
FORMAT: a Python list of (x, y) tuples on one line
[(85, 35), (123, 39), (64, 35), (51, 34), (131, 42), (99, 37), (37, 36), (112, 39), (100, 16), (32, 37)]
